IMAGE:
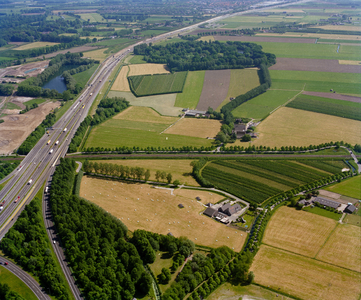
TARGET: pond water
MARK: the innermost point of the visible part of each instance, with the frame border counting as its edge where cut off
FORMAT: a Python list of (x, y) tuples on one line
[(56, 82)]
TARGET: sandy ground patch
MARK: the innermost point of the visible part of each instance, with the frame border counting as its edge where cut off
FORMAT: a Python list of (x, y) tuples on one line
[(343, 248), (141, 114), (161, 215), (264, 39), (202, 128), (349, 62), (298, 231), (304, 277), (17, 127), (215, 89), (121, 82), (314, 35), (334, 96), (143, 69), (289, 126), (35, 68), (180, 169), (316, 65)]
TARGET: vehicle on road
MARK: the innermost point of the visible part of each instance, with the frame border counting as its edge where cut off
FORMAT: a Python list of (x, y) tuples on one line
[(17, 199), (30, 181), (5, 263), (57, 143), (65, 129), (54, 242), (51, 151), (91, 94), (48, 142), (46, 189)]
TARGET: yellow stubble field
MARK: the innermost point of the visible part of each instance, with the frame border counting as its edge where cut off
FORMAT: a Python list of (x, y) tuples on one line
[(121, 82), (157, 211), (144, 69)]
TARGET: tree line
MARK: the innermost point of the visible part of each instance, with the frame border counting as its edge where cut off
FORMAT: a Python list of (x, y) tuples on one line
[(6, 89), (7, 294), (7, 167)]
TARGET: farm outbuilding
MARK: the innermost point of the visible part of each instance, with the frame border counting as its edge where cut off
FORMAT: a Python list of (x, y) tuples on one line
[(229, 209), (350, 209), (240, 130), (326, 202), (210, 212)]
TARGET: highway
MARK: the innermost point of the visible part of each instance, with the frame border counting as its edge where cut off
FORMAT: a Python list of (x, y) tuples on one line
[(26, 278)]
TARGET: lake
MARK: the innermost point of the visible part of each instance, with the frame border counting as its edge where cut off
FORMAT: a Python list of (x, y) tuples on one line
[(56, 82)]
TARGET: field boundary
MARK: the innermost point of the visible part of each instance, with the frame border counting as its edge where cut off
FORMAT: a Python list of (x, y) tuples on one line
[(326, 240)]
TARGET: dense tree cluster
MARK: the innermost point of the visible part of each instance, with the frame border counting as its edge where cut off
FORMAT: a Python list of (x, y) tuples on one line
[(28, 107), (198, 55), (27, 243), (197, 172), (7, 167), (7, 294), (79, 135), (35, 136), (6, 89), (105, 264)]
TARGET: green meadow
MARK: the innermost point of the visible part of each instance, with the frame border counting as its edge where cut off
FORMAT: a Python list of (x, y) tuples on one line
[(192, 90)]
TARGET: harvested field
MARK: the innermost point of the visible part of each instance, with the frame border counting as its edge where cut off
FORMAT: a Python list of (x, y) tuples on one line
[(35, 45), (17, 127), (298, 231), (97, 54), (264, 39), (343, 248), (313, 35), (71, 50), (283, 128), (180, 169), (121, 82), (161, 215), (207, 38), (201, 128), (334, 96), (143, 114), (304, 277), (339, 27), (349, 62), (316, 65), (144, 69), (215, 89)]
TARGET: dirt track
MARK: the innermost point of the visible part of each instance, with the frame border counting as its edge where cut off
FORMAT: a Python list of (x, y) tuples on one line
[(264, 39), (334, 96), (316, 65)]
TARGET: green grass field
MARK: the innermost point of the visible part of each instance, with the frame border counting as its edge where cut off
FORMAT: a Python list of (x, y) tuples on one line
[(146, 85), (323, 212), (137, 59), (192, 90), (342, 83), (92, 17), (16, 284), (153, 32), (10, 105), (260, 106), (353, 220), (37, 101), (350, 187), (334, 107), (83, 77)]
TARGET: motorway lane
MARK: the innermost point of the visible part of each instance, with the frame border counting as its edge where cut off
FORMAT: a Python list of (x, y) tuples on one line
[(26, 278)]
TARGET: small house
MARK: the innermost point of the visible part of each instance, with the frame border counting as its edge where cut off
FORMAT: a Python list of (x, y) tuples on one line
[(240, 130), (229, 209)]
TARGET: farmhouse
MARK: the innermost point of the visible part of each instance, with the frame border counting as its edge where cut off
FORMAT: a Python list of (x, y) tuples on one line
[(350, 209), (240, 130), (326, 202), (229, 209)]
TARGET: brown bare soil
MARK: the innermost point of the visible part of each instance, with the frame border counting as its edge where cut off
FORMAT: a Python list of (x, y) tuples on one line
[(316, 65), (20, 70), (334, 96), (215, 89), (264, 39), (121, 83), (17, 127)]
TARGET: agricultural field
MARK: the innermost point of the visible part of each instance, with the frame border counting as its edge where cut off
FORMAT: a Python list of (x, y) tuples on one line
[(186, 126), (342, 83), (262, 105), (304, 277), (343, 248), (147, 85), (192, 90), (92, 17), (353, 219), (334, 107), (83, 77), (255, 180), (312, 35), (145, 69), (121, 83), (143, 130), (350, 187), (157, 211), (298, 231), (137, 59), (97, 54), (35, 45), (180, 169), (289, 126)]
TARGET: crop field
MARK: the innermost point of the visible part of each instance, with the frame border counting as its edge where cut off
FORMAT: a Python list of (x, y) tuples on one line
[(121, 83), (342, 83), (35, 45), (215, 88), (343, 248), (256, 180), (192, 90), (144, 69), (157, 211), (305, 277), (92, 17), (260, 106), (204, 127), (289, 126), (339, 108), (137, 59), (146, 85), (298, 231), (339, 27), (180, 169), (97, 54), (350, 187), (83, 77), (143, 127), (254, 39), (313, 35)]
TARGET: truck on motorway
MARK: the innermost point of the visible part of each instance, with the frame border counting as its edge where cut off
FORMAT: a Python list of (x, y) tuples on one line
[(100, 80), (91, 94), (30, 181), (65, 129), (48, 142), (46, 189), (51, 151), (57, 143)]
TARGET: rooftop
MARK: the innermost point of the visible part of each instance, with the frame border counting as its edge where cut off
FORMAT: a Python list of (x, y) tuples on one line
[(327, 202)]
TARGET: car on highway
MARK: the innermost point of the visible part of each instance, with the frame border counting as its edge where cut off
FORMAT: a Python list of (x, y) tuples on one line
[(17, 199), (54, 242), (5, 263)]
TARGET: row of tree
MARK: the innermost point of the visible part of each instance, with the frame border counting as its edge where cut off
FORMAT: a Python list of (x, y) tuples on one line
[(29, 107), (149, 149), (7, 167)]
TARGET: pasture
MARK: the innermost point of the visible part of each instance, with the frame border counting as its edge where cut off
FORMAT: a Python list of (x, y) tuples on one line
[(121, 83), (35, 45), (146, 85), (260, 106), (334, 107), (289, 126), (313, 35), (204, 127), (298, 231), (304, 277), (353, 219), (157, 211), (180, 169), (137, 59), (192, 90), (92, 17), (145, 69), (350, 187), (342, 83), (83, 77), (343, 248), (97, 54)]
